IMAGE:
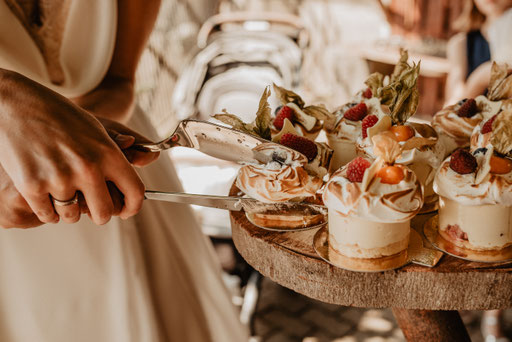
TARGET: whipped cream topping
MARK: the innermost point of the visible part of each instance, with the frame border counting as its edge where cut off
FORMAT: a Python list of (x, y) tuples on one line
[(380, 202), (282, 178), (466, 190), (431, 155)]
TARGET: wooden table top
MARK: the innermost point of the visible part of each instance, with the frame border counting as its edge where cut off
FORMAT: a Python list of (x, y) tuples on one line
[(290, 260)]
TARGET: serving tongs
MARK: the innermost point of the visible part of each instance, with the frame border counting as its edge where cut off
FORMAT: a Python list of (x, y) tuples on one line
[(282, 216)]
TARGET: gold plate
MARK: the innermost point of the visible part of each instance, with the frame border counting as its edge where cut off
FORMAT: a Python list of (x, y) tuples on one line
[(430, 229), (415, 253)]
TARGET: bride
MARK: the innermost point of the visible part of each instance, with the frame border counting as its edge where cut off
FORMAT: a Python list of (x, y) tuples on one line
[(66, 90)]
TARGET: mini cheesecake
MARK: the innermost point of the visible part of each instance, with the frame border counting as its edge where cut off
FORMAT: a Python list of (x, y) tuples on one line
[(282, 178), (343, 130), (475, 200), (370, 208), (455, 124)]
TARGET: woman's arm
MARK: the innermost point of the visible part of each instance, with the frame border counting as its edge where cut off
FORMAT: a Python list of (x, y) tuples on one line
[(456, 79), (478, 81), (114, 97)]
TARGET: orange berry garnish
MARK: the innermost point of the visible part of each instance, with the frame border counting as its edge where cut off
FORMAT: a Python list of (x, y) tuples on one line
[(500, 165), (391, 174), (402, 132)]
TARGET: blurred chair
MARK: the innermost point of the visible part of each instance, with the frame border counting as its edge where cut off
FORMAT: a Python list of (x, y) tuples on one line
[(239, 54)]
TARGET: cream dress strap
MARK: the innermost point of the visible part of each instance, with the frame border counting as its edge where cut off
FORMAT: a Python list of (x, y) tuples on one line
[(86, 49)]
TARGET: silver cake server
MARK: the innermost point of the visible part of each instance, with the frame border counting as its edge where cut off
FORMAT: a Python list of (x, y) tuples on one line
[(292, 210), (214, 140)]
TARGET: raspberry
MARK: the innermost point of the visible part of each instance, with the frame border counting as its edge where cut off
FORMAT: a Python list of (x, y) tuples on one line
[(468, 109), (367, 93), (357, 112), (462, 162), (284, 113), (301, 144), (368, 122), (487, 127), (356, 168)]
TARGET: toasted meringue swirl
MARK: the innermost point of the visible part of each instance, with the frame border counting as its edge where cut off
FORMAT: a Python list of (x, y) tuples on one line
[(381, 202), (454, 131), (275, 182), (282, 179), (494, 189)]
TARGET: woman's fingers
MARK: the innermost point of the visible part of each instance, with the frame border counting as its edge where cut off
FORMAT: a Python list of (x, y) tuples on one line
[(117, 198), (98, 201), (42, 206), (66, 206), (131, 187)]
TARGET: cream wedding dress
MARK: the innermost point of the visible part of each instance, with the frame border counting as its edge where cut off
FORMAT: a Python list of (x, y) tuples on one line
[(150, 278)]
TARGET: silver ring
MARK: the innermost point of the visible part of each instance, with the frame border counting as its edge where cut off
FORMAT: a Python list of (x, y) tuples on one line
[(72, 201)]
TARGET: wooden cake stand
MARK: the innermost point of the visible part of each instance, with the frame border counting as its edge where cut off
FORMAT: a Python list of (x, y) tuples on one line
[(424, 300)]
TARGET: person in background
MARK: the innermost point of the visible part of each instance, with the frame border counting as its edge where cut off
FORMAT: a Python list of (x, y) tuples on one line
[(67, 73), (484, 28)]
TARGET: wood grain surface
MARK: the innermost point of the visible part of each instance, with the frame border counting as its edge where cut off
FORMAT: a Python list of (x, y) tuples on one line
[(290, 260)]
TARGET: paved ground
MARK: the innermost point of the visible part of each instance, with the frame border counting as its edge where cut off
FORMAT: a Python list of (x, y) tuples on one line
[(285, 316)]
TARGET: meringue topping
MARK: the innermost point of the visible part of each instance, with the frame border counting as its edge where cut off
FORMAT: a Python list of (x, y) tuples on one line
[(377, 201), (477, 188), (283, 178)]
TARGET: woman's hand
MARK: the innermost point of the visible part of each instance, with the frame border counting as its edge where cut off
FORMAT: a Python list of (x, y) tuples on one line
[(125, 138), (51, 147), (14, 210)]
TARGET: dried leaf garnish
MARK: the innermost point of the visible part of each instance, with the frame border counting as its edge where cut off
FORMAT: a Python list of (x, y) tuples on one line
[(375, 82), (319, 112), (261, 124), (428, 137), (402, 95), (501, 136), (385, 147), (286, 96), (262, 121), (401, 66), (234, 121), (487, 107), (500, 85)]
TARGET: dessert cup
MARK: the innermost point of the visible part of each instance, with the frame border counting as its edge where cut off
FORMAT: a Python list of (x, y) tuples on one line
[(358, 238), (468, 226), (369, 218), (475, 200), (455, 131), (282, 178)]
